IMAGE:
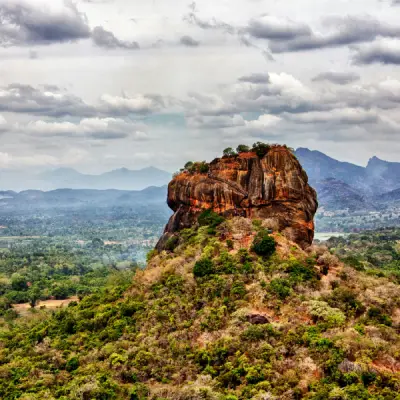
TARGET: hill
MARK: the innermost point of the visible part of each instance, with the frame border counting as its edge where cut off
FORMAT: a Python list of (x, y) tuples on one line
[(81, 198), (121, 179), (227, 308), (211, 319)]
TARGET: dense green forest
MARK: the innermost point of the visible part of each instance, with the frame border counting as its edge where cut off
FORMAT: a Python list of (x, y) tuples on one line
[(213, 319)]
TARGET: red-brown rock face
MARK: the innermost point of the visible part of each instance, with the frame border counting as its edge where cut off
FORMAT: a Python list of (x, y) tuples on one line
[(274, 188)]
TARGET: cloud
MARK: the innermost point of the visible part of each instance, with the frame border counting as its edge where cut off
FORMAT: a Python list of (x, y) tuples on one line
[(255, 78), (106, 39), (212, 23), (92, 128), (51, 101), (42, 100), (124, 105), (273, 28), (188, 41), (377, 53), (346, 31), (338, 78), (348, 116), (40, 22)]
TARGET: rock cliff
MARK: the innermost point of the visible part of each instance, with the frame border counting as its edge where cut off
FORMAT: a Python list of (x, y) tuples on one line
[(273, 188)]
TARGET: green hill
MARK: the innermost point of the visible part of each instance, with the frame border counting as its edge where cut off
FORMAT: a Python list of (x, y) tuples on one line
[(228, 312)]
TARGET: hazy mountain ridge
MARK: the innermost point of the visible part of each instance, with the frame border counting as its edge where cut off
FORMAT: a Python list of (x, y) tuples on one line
[(80, 198), (122, 179), (342, 185)]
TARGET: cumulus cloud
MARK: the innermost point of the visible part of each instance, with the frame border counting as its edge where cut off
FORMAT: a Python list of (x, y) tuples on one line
[(93, 128), (40, 22), (188, 41), (255, 78), (51, 101), (378, 53), (346, 31), (42, 100), (349, 116), (107, 40), (270, 27), (338, 78)]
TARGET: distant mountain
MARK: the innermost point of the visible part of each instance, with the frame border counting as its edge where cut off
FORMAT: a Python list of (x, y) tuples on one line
[(82, 198), (337, 195), (319, 167), (122, 179), (342, 185)]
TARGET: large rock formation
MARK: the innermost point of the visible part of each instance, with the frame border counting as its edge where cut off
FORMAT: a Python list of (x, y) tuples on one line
[(273, 188)]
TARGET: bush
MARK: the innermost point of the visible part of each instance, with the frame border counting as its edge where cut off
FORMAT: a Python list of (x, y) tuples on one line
[(264, 245), (204, 167), (172, 242), (140, 392), (229, 152), (210, 218), (242, 148), (280, 287), (203, 267), (375, 314), (72, 364), (261, 149)]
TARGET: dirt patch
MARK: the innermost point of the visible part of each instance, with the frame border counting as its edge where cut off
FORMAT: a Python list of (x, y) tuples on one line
[(48, 304)]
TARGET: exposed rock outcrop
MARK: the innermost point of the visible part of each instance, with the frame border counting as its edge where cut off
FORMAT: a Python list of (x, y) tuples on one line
[(273, 188)]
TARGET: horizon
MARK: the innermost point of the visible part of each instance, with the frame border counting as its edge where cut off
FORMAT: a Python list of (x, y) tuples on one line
[(148, 167)]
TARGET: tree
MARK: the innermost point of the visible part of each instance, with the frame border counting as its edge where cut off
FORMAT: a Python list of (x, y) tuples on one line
[(242, 148), (263, 244), (229, 152), (34, 296), (261, 149), (188, 165)]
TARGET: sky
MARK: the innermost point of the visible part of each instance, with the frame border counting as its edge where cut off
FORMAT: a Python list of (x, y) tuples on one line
[(102, 84)]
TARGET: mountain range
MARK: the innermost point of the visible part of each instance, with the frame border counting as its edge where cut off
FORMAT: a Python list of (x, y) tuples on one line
[(122, 179), (30, 200), (342, 185)]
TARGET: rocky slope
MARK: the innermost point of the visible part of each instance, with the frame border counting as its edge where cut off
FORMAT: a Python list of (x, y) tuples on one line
[(273, 188)]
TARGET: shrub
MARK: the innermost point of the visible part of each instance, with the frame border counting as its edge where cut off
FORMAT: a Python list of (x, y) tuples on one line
[(172, 242), (264, 245), (229, 152), (301, 273), (375, 314), (242, 148), (72, 364), (261, 149), (321, 311), (203, 267), (229, 244), (204, 167), (140, 392), (280, 287), (210, 218)]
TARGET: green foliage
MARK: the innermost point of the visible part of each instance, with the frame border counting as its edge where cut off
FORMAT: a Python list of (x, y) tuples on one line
[(261, 149), (263, 244), (72, 364), (210, 218), (280, 287), (203, 267), (242, 148), (376, 315), (229, 152), (172, 242)]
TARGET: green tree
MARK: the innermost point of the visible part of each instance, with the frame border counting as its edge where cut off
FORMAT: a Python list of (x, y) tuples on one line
[(242, 148), (229, 152)]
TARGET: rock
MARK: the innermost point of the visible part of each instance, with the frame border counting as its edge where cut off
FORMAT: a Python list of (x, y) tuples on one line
[(257, 319), (274, 188)]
